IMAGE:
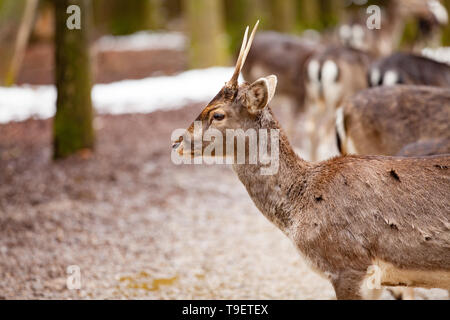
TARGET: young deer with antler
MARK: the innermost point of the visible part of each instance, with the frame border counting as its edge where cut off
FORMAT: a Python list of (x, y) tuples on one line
[(348, 216)]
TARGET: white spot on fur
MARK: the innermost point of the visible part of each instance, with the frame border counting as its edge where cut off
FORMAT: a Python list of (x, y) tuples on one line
[(345, 33), (332, 89), (310, 126), (350, 146), (390, 78), (329, 71), (391, 275), (441, 54), (313, 70), (375, 76), (439, 11), (313, 85), (358, 37)]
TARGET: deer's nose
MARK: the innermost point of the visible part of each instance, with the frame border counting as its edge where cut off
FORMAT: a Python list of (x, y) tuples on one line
[(176, 145)]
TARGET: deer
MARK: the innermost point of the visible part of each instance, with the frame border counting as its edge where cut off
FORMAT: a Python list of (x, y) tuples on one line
[(395, 121), (285, 55), (402, 120), (359, 221), (430, 16), (409, 68), (333, 75)]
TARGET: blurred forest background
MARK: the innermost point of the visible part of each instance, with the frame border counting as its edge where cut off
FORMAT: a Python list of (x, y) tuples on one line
[(137, 225), (216, 24), (34, 51)]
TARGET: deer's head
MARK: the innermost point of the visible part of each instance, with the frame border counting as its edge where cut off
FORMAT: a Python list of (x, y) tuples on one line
[(236, 106)]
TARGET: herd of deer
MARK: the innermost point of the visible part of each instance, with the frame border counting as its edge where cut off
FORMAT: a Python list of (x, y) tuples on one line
[(383, 206)]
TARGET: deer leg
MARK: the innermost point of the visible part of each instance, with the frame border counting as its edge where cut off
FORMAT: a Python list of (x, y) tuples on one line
[(347, 286)]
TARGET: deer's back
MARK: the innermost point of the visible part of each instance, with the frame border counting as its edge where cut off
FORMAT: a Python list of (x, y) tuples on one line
[(386, 120), (361, 209), (414, 69)]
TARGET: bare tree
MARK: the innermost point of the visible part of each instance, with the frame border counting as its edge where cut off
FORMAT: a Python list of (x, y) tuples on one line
[(284, 15), (208, 41), (16, 22), (309, 12), (72, 127)]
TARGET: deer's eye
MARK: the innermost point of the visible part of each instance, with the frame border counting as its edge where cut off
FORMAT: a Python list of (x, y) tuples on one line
[(218, 116)]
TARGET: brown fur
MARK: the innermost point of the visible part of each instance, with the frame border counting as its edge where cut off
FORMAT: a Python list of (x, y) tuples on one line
[(347, 214), (352, 65), (398, 120)]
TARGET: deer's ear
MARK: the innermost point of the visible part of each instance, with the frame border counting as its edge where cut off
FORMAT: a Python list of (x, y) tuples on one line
[(260, 93)]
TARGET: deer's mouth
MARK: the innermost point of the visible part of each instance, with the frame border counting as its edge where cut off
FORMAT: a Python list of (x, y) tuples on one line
[(179, 148), (189, 153)]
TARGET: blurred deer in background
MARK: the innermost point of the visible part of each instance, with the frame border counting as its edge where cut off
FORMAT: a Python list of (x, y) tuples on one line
[(429, 16), (354, 219), (333, 75), (399, 120), (285, 56), (408, 68)]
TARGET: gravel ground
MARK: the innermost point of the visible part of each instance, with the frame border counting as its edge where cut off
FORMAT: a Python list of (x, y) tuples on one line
[(137, 225)]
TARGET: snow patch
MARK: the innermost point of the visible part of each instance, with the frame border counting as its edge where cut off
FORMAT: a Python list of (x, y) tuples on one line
[(143, 41), (129, 96), (441, 54)]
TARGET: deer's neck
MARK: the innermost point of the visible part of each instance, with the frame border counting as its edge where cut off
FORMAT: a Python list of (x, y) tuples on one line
[(279, 195)]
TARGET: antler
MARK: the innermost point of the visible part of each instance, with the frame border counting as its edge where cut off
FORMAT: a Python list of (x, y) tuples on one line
[(245, 48)]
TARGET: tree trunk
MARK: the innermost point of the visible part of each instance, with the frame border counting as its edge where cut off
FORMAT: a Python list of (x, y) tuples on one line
[(122, 17), (173, 8), (284, 15), (16, 22), (72, 126), (157, 14), (331, 12), (22, 40), (446, 31), (208, 41), (242, 13), (309, 12), (257, 9)]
